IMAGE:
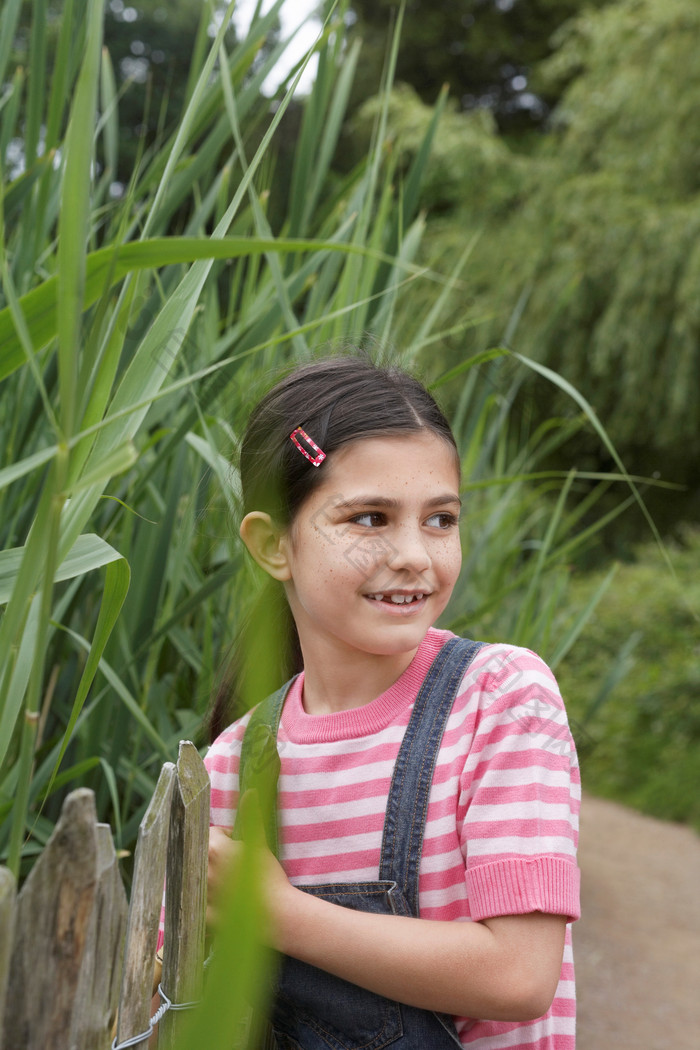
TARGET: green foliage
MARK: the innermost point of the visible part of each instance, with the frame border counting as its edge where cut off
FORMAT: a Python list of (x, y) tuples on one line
[(468, 159), (238, 983), (484, 50), (150, 45), (586, 255), (632, 76), (632, 684)]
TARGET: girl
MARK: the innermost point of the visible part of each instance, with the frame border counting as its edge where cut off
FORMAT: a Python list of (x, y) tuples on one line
[(428, 789)]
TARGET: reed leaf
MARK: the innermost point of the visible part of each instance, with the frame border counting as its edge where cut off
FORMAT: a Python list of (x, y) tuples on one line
[(108, 266), (89, 552), (74, 219)]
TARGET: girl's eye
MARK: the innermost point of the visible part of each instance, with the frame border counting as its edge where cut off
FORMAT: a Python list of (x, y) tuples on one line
[(443, 520), (371, 518)]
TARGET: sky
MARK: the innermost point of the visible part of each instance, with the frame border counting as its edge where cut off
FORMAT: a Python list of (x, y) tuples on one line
[(292, 14)]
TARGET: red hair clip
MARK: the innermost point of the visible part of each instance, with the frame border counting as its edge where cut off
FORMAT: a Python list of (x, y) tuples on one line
[(314, 460)]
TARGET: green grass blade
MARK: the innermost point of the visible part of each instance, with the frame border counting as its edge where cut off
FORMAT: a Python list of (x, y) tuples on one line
[(433, 314), (199, 50), (620, 666), (37, 80), (110, 121), (464, 366), (88, 553), (569, 640), (417, 170), (238, 978), (16, 194), (10, 112), (126, 697), (74, 772), (261, 224), (61, 74), (19, 470), (24, 337), (315, 153), (73, 219), (18, 679), (8, 25), (600, 430), (116, 586), (116, 462), (111, 782), (188, 118)]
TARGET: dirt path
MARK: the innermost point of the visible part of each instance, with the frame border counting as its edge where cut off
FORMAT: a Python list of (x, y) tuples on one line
[(637, 947)]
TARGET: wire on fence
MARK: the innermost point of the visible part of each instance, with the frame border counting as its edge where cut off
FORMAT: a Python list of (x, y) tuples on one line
[(166, 1004)]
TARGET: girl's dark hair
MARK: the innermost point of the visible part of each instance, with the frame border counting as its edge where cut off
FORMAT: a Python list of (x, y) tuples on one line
[(336, 400)]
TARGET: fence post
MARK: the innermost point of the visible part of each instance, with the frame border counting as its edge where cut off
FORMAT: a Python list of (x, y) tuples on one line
[(54, 910), (144, 911), (7, 928), (98, 988), (186, 889)]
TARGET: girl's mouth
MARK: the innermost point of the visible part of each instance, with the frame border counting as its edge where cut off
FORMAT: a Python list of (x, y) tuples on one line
[(396, 599)]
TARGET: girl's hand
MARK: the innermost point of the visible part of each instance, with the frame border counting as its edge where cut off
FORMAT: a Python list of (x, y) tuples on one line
[(225, 856)]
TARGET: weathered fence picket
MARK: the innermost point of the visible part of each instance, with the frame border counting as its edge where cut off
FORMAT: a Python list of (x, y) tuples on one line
[(7, 928), (71, 960), (144, 911), (55, 957), (185, 909), (96, 997)]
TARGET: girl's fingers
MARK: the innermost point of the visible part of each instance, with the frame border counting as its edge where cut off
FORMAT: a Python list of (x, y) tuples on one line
[(219, 843), (221, 865), (224, 856)]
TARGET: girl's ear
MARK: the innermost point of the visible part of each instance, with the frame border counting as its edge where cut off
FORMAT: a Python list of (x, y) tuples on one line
[(266, 543)]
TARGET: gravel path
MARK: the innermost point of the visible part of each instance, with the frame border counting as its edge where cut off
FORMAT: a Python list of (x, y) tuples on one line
[(637, 947)]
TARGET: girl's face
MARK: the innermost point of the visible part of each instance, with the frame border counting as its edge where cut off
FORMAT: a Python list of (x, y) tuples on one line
[(374, 553)]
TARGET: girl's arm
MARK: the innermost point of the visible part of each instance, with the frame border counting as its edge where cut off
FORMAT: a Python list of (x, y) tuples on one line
[(501, 969)]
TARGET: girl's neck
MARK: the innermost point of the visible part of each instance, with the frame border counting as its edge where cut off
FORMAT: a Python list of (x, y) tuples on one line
[(339, 685)]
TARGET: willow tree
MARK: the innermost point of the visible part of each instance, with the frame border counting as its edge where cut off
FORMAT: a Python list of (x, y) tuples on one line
[(587, 255)]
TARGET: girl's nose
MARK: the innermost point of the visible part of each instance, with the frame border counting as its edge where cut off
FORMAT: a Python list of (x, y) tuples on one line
[(407, 550)]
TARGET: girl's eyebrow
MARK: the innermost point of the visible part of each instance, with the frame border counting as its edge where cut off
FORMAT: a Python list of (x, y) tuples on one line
[(383, 501)]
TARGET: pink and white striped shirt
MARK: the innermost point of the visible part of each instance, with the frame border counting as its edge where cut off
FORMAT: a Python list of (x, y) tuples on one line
[(501, 829)]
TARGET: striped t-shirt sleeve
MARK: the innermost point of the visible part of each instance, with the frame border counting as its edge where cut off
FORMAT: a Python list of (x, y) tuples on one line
[(519, 790), (517, 820)]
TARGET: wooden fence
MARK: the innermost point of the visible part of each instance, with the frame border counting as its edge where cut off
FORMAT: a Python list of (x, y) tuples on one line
[(73, 957)]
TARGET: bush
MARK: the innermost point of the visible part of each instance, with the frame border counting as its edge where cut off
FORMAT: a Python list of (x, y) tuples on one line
[(632, 684)]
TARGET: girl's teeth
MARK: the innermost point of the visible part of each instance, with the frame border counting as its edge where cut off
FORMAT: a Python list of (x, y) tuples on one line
[(397, 599)]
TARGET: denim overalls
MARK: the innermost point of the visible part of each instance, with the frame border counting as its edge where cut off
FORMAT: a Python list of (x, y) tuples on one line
[(315, 1010)]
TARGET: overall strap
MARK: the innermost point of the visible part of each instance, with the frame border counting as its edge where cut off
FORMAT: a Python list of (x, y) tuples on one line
[(259, 767), (407, 804)]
